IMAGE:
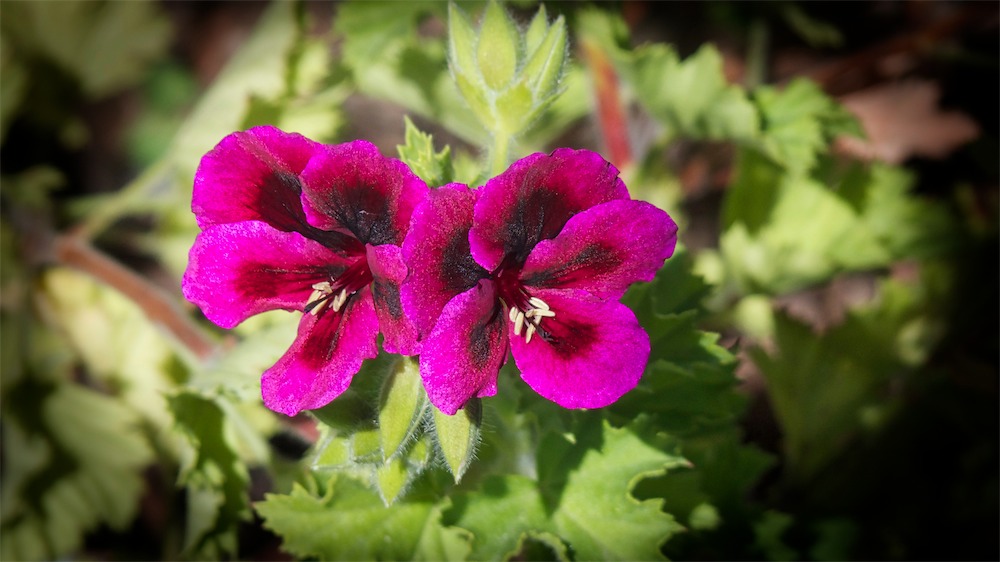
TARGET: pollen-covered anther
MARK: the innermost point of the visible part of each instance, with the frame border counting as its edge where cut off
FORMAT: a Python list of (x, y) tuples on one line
[(319, 297), (340, 299), (530, 319)]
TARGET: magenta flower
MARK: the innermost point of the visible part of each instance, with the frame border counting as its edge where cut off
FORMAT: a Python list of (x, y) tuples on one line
[(295, 225), (535, 261)]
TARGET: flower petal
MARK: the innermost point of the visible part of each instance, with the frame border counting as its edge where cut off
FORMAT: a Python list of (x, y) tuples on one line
[(324, 357), (604, 249), (253, 175), (534, 198), (437, 253), (351, 187), (589, 355), (461, 357), (237, 270), (389, 272)]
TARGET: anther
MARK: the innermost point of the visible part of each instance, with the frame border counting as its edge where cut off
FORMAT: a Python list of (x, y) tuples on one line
[(540, 313), (518, 323), (530, 331), (512, 314), (319, 297), (339, 300), (538, 303)]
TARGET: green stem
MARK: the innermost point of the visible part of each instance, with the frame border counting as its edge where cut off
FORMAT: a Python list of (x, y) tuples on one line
[(499, 153)]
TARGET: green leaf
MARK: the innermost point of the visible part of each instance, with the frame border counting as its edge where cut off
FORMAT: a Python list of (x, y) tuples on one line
[(78, 463), (434, 168), (216, 477), (107, 46), (600, 484), (798, 123), (769, 531), (692, 97), (826, 388), (503, 511), (457, 436), (349, 522), (788, 230), (754, 192), (116, 341), (582, 497)]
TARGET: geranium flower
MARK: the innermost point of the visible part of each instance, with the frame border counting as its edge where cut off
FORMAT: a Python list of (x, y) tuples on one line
[(291, 224), (535, 261)]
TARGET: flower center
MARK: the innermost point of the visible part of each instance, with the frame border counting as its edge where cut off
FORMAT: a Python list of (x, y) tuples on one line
[(530, 318), (336, 292), (524, 311)]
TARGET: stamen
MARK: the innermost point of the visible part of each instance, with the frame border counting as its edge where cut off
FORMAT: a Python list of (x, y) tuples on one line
[(539, 313), (538, 303), (531, 318), (518, 323), (319, 297), (339, 300)]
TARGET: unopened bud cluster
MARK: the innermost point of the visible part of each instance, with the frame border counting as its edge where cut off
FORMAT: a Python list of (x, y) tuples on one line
[(506, 77)]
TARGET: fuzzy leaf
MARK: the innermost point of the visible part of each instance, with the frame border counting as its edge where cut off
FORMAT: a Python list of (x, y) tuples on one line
[(434, 168), (349, 522), (214, 474), (78, 462), (582, 496), (105, 45), (800, 121), (692, 97)]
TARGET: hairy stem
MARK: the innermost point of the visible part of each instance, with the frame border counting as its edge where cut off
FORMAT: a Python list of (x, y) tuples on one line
[(500, 152)]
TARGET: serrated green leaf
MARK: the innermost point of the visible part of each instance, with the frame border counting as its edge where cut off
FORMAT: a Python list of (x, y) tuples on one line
[(106, 46), (600, 485), (349, 522), (692, 97), (78, 464), (794, 120), (116, 342), (582, 496), (214, 473), (434, 168), (769, 530), (505, 509)]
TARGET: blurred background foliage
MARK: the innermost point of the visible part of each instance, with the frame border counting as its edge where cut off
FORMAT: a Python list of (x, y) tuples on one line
[(824, 376)]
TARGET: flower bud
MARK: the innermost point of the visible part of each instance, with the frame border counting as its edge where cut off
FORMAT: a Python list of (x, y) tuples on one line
[(498, 48), (507, 78), (402, 406), (458, 436)]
